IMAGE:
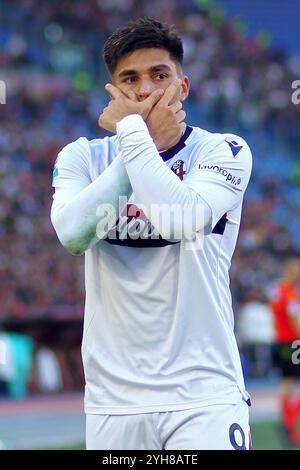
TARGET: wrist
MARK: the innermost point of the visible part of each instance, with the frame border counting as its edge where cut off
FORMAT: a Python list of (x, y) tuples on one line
[(129, 124)]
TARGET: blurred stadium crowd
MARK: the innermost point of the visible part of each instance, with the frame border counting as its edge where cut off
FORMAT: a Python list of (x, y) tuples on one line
[(50, 59)]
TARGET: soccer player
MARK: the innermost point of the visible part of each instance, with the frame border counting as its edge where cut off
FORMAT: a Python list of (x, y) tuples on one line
[(156, 209), (285, 304)]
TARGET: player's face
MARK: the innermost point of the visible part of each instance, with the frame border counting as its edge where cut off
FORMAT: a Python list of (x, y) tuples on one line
[(293, 270), (145, 70)]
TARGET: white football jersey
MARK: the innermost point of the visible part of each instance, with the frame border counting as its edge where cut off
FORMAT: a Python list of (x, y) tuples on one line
[(158, 326)]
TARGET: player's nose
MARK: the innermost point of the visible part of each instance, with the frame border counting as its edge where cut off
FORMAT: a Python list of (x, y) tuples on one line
[(145, 89)]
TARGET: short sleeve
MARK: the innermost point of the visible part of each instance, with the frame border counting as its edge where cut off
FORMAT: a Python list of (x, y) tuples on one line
[(222, 175)]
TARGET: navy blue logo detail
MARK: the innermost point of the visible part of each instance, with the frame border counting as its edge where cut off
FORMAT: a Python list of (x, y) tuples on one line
[(234, 431), (235, 147)]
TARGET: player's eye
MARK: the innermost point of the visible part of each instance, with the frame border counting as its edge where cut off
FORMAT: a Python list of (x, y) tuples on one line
[(129, 80), (161, 76)]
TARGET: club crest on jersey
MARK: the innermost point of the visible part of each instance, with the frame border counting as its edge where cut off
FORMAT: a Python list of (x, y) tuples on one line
[(235, 147), (179, 168)]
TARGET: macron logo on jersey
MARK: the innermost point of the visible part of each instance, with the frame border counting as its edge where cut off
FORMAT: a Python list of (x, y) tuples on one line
[(235, 147)]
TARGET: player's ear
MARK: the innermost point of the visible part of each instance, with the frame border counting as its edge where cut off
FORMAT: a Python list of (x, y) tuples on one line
[(185, 88)]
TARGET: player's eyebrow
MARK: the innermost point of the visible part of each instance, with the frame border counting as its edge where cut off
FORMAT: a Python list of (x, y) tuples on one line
[(157, 68), (154, 68)]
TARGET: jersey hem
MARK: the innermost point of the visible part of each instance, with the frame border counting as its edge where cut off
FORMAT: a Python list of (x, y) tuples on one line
[(127, 410)]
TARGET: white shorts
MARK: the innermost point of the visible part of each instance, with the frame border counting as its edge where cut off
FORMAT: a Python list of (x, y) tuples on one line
[(207, 427)]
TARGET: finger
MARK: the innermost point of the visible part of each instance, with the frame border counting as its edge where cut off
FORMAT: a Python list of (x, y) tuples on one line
[(100, 120), (152, 99), (176, 96), (113, 91), (175, 107), (131, 95), (172, 93), (180, 116)]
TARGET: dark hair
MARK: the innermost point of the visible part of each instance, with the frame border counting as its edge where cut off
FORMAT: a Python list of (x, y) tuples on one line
[(140, 34)]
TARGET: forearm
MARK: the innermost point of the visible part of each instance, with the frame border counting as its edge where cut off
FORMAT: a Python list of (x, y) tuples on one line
[(77, 219), (174, 209)]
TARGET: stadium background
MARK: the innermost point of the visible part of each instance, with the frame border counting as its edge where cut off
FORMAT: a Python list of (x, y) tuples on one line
[(242, 58)]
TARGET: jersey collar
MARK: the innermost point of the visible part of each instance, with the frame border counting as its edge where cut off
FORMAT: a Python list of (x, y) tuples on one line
[(167, 154)]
